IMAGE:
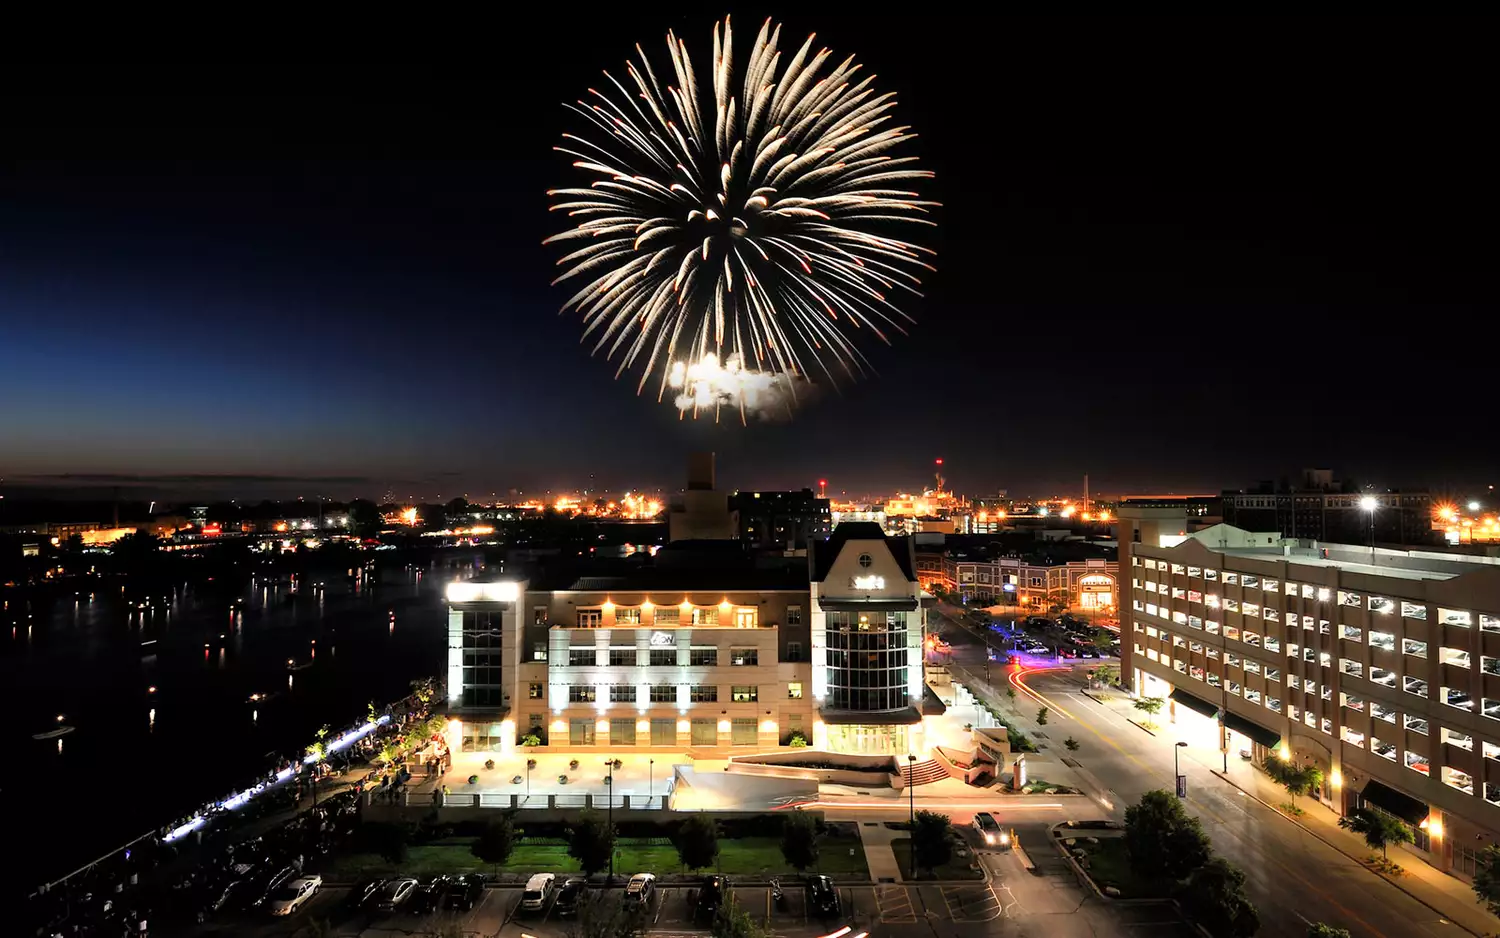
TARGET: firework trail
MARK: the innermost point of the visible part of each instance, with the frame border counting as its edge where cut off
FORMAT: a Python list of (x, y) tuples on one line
[(734, 238)]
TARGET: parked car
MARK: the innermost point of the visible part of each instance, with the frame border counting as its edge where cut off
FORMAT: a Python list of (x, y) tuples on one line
[(710, 897), (364, 893), (430, 893), (265, 887), (640, 890), (569, 896), (1088, 651), (538, 891), (822, 897), (396, 893), (465, 891), (293, 894), (990, 830)]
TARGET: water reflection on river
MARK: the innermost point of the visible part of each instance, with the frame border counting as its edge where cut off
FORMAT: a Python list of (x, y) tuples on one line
[(166, 725)]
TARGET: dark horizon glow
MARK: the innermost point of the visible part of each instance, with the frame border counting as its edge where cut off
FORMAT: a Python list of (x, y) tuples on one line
[(1164, 260)]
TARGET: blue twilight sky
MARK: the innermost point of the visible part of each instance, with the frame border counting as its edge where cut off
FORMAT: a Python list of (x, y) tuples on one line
[(1164, 260)]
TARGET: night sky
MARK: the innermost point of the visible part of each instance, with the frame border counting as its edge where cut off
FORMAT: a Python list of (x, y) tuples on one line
[(1173, 254)]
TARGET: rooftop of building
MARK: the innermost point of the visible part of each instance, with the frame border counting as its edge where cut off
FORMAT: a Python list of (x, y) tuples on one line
[(682, 566), (822, 556), (1415, 564), (1022, 546)]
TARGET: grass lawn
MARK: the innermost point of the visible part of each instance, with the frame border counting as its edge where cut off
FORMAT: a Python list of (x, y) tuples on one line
[(742, 857), (1109, 865), (957, 867)]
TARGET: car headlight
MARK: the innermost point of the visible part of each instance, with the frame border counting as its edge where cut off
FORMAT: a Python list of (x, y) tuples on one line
[(1005, 838), (989, 838)]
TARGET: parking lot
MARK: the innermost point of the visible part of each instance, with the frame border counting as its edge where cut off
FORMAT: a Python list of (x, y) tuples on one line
[(671, 913)]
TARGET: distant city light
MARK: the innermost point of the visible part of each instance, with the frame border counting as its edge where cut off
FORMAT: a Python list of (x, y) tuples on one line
[(1369, 503)]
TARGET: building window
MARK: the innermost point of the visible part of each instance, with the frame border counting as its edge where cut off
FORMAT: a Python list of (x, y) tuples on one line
[(704, 693), (663, 693), (703, 657), (1414, 724), (1381, 712), (741, 657), (794, 651), (793, 615), (581, 693), (622, 693), (1454, 738), (745, 618), (663, 732), (626, 617), (583, 657), (538, 651), (1410, 646), (667, 616), (622, 657), (1383, 749), (663, 657), (535, 691), (1454, 656), (1418, 762), (581, 732), (622, 731), (745, 693), (1456, 617), (705, 732), (794, 690), (705, 615), (742, 731), (538, 615), (590, 618)]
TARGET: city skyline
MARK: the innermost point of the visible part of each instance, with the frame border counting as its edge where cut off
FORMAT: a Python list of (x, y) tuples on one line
[(350, 283)]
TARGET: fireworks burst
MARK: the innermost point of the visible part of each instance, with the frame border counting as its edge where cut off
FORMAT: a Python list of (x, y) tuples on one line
[(734, 250)]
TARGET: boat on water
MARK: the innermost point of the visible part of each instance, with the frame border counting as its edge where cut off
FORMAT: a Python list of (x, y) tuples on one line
[(61, 729)]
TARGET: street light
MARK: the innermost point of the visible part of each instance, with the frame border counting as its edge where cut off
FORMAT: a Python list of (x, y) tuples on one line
[(911, 790), (1368, 504), (1177, 770), (650, 780), (611, 797)]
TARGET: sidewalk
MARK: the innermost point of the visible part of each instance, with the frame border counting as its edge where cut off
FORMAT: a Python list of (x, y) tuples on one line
[(1446, 895), (879, 854)]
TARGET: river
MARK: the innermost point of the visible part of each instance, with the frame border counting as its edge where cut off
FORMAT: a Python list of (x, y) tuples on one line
[(164, 727)]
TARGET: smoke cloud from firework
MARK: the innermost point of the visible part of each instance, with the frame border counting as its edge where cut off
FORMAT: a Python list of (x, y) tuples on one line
[(709, 387), (746, 219)]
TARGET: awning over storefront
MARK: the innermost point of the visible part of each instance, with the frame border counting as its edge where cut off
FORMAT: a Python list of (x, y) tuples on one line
[(867, 605), (1268, 738), (1195, 703), (1411, 810), (906, 716), (932, 705)]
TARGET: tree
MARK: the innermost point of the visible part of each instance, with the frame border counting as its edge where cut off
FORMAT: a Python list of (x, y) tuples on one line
[(797, 740), (604, 914), (1150, 706), (1041, 717), (1162, 840), (799, 840), (496, 841), (385, 839), (1296, 779), (1010, 694), (1071, 743), (1487, 878), (931, 840), (364, 518), (1214, 896), (318, 750), (732, 921), (1107, 674), (591, 841), (1377, 828), (698, 842), (1320, 930)]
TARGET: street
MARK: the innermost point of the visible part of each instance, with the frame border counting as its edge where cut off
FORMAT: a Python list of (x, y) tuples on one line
[(1293, 877)]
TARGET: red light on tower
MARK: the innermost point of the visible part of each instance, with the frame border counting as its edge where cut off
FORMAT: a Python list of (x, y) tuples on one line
[(822, 488)]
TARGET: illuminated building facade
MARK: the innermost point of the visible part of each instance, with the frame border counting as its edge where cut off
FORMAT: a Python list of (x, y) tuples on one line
[(781, 520), (867, 632), (697, 656), (1380, 666), (1089, 584)]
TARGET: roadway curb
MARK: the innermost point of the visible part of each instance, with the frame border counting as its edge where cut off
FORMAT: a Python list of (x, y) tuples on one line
[(1331, 844), (1140, 726), (1096, 700)]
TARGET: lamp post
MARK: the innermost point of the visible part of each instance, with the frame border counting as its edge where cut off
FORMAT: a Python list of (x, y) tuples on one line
[(650, 779), (611, 797), (529, 760), (1177, 770), (911, 792), (1368, 504)]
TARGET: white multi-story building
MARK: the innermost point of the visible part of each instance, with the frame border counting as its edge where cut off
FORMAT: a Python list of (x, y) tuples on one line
[(697, 656), (1380, 666)]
